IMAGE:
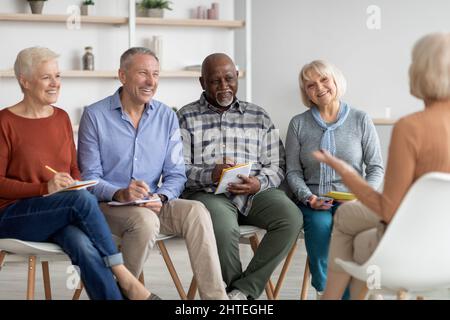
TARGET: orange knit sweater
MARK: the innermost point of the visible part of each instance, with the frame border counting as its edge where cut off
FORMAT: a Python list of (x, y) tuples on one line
[(26, 147)]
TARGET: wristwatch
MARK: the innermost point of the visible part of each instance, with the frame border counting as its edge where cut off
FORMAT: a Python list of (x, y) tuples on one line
[(163, 198)]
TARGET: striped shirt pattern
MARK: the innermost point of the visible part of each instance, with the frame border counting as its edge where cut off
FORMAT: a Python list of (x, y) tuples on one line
[(244, 133)]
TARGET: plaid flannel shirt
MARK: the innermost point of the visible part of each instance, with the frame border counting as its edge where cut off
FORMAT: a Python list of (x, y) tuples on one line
[(244, 133)]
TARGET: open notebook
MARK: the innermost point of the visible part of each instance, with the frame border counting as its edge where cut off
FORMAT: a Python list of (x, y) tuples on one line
[(229, 175), (77, 185)]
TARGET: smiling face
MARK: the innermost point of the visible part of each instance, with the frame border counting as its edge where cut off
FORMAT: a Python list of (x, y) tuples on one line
[(321, 89), (44, 83), (219, 80), (140, 78)]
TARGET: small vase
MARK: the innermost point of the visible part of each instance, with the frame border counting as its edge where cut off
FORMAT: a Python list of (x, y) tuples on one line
[(155, 13), (87, 10), (36, 6)]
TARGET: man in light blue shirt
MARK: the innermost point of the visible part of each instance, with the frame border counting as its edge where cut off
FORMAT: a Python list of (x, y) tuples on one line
[(131, 144)]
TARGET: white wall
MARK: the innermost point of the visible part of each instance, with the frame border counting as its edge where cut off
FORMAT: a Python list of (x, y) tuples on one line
[(289, 33), (181, 46)]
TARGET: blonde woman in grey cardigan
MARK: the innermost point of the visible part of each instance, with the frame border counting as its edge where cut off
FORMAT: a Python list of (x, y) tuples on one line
[(347, 133)]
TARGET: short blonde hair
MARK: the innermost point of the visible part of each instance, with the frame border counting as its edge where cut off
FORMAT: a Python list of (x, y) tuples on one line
[(29, 58), (429, 73), (324, 68)]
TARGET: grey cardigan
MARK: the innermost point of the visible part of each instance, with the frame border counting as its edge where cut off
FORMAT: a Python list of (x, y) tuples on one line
[(357, 143)]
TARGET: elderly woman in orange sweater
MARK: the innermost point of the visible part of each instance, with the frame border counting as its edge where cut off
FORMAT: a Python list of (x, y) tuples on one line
[(420, 144), (35, 134)]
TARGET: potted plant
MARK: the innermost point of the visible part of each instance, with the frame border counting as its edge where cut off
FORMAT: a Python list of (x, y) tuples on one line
[(155, 8), (140, 11), (87, 8), (36, 6)]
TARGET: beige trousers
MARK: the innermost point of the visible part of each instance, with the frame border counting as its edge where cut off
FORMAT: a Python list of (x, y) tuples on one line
[(139, 226), (357, 230)]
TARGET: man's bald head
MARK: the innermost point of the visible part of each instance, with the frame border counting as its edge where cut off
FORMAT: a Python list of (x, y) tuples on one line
[(216, 59), (219, 79)]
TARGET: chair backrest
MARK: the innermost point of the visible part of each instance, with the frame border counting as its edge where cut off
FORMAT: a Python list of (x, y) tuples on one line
[(414, 253)]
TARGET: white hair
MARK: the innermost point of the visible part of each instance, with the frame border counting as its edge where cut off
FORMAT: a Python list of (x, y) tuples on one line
[(28, 59), (429, 73), (323, 68)]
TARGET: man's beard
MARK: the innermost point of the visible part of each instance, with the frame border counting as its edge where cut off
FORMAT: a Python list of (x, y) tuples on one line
[(227, 101)]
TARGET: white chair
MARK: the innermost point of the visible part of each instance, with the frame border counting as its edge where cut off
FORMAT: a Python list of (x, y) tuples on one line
[(413, 254), (160, 238), (15, 251), (249, 235)]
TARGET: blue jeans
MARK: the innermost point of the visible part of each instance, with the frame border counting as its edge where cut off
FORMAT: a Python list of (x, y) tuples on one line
[(318, 225), (74, 221)]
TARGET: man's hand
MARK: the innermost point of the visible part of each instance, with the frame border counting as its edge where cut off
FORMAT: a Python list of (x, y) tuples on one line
[(136, 190), (154, 206), (249, 185), (217, 172)]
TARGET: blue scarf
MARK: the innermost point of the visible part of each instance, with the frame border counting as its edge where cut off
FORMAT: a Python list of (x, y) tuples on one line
[(328, 143)]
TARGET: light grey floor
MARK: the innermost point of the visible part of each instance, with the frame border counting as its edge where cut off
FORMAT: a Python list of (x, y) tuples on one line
[(13, 277)]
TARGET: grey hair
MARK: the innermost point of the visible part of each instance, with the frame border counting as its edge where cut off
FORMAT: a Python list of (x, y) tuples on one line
[(429, 73), (127, 55), (324, 68), (27, 60)]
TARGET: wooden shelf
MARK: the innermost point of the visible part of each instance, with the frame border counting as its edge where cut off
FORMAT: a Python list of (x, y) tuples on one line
[(113, 74), (383, 121), (24, 17), (61, 18), (191, 23)]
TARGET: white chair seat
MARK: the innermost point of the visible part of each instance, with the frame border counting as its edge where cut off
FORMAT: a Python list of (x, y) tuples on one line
[(246, 230), (14, 250), (19, 251), (29, 247), (411, 255)]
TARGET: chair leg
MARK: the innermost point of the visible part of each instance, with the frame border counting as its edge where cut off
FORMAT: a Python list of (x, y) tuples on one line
[(78, 291), (46, 278), (287, 263), (31, 277), (172, 271), (2, 258), (306, 280), (141, 278), (192, 289), (254, 243)]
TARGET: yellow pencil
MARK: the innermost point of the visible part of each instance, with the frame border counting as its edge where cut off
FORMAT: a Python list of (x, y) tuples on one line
[(52, 170)]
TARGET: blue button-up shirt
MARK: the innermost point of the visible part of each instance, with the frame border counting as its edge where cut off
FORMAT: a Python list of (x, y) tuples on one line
[(113, 151)]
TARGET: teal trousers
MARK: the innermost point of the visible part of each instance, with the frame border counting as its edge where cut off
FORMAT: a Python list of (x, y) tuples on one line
[(271, 210)]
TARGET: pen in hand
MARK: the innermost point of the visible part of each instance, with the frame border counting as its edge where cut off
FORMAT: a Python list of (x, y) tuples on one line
[(50, 169)]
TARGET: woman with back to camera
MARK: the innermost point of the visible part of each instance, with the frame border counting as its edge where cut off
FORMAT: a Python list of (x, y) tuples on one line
[(420, 143)]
